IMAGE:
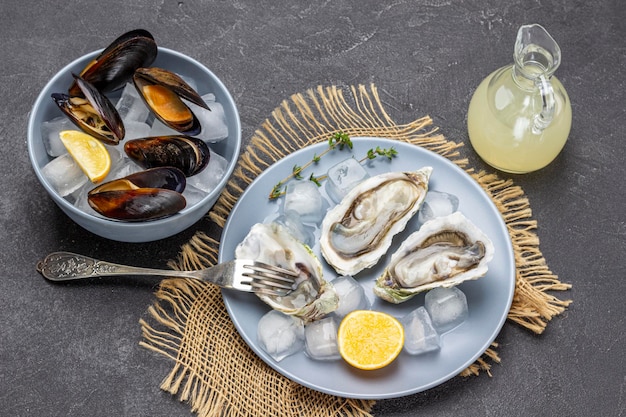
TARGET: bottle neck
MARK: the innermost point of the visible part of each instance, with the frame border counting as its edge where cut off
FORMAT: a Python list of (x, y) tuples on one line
[(525, 78)]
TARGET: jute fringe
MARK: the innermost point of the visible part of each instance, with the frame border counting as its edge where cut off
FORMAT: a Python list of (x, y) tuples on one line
[(214, 370)]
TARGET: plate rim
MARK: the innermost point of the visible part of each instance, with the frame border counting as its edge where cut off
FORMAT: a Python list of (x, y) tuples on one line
[(509, 254)]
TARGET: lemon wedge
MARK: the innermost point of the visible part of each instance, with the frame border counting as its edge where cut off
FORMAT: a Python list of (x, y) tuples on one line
[(370, 339), (88, 152)]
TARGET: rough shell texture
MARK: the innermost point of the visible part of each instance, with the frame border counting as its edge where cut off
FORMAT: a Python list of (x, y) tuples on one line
[(358, 231), (273, 244), (444, 252)]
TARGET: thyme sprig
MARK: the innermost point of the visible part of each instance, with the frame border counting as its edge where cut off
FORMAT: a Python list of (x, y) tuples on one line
[(373, 153), (337, 140)]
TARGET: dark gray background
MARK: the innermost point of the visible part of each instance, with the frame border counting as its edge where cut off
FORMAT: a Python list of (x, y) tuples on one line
[(73, 350)]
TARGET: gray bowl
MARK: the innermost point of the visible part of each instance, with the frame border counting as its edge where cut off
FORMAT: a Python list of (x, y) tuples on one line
[(45, 109)]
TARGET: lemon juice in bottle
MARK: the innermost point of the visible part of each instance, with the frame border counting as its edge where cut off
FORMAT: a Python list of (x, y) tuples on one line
[(520, 116)]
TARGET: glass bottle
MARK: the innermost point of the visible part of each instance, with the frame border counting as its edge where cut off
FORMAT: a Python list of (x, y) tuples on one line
[(520, 116)]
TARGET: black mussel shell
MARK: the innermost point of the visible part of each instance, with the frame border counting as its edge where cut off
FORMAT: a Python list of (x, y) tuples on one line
[(116, 64), (169, 178), (190, 155), (137, 205), (171, 80), (163, 91), (92, 112)]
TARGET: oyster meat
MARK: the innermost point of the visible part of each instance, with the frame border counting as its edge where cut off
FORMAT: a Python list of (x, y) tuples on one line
[(444, 252), (271, 243), (358, 231)]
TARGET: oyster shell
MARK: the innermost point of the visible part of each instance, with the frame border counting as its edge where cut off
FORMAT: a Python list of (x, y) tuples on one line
[(444, 252), (271, 243), (358, 231)]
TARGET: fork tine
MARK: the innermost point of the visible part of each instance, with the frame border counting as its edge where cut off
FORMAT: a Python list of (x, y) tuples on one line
[(260, 280), (263, 287), (276, 272), (266, 291), (275, 279), (269, 279)]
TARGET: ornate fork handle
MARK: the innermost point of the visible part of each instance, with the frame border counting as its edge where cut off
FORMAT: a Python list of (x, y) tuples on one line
[(65, 266)]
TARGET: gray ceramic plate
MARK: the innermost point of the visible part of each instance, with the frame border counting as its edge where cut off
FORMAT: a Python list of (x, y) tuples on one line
[(489, 298)]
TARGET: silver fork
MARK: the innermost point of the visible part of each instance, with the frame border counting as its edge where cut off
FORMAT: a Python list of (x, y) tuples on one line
[(240, 274)]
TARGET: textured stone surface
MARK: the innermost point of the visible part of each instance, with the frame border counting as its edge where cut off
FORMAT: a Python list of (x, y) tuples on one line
[(72, 350)]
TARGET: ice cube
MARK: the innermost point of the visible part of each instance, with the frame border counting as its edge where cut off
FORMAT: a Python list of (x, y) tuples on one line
[(117, 155), (131, 106), (419, 334), (351, 295), (447, 307), (193, 195), (122, 168), (321, 339), (208, 98), (207, 179), (343, 177), (437, 204), (159, 128), (213, 121), (50, 135), (64, 175), (81, 200), (303, 233), (136, 130), (304, 198), (280, 335)]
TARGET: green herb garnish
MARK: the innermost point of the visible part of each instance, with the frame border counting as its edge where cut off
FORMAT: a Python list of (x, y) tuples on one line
[(337, 140)]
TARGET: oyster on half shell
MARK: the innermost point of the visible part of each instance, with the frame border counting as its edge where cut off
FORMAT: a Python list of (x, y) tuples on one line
[(358, 231), (272, 243), (444, 252)]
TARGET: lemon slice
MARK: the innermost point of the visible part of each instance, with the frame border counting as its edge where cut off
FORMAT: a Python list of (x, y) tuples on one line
[(88, 152), (370, 339)]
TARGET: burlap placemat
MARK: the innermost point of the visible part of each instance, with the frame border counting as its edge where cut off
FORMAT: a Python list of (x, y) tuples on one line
[(213, 368)]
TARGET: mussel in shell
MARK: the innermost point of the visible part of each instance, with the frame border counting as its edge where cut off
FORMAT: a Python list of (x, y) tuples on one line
[(116, 64), (190, 155), (137, 205), (163, 92), (92, 112), (170, 178), (146, 195)]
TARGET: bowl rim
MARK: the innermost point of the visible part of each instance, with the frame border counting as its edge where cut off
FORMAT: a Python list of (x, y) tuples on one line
[(102, 221)]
